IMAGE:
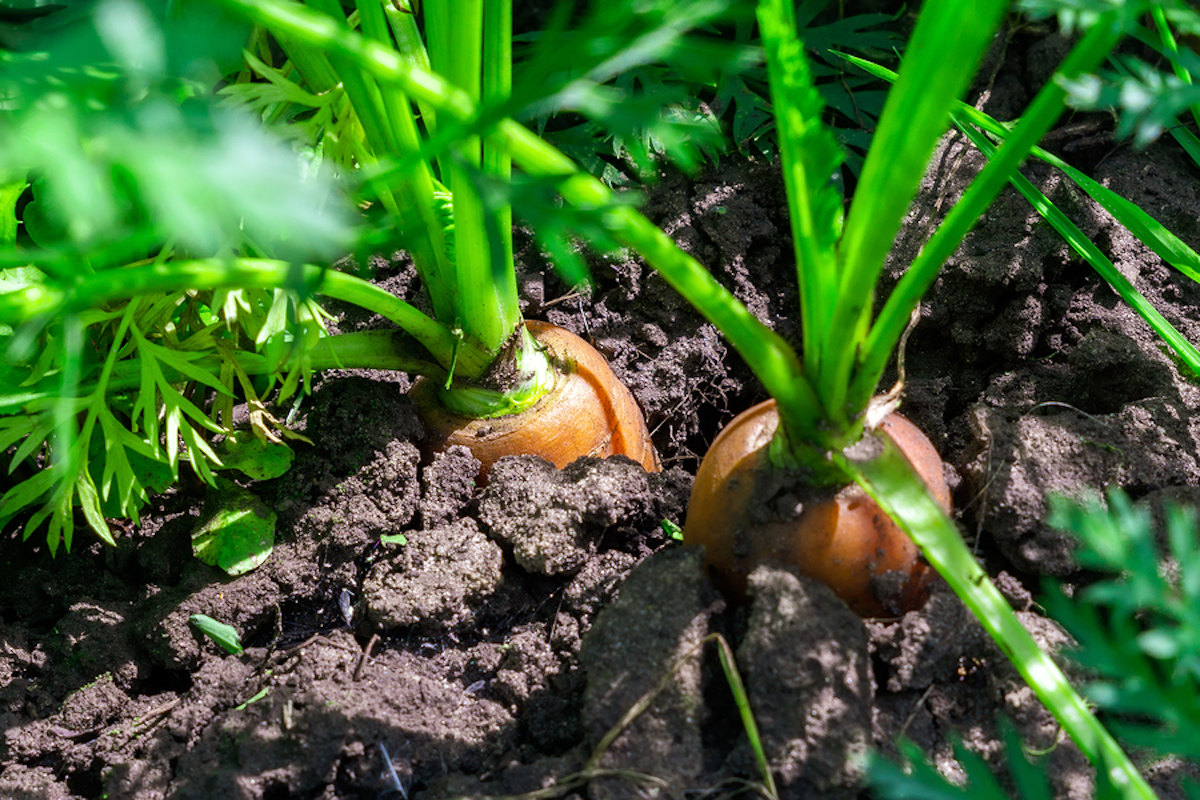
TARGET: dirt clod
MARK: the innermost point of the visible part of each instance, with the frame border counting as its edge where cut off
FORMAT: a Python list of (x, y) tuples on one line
[(805, 663)]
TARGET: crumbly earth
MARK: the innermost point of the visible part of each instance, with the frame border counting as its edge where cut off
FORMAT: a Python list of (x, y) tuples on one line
[(497, 649)]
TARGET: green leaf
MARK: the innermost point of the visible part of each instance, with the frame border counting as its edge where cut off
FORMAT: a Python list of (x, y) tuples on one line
[(670, 528), (1158, 644), (10, 193), (226, 636), (393, 538), (239, 535), (254, 457)]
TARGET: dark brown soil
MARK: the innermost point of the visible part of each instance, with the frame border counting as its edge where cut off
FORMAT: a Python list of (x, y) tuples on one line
[(492, 652)]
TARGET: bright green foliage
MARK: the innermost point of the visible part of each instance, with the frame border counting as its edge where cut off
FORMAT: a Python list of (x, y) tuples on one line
[(743, 96), (239, 533), (1149, 99), (225, 636), (1138, 630), (810, 159), (137, 302), (634, 85), (1137, 635), (102, 427)]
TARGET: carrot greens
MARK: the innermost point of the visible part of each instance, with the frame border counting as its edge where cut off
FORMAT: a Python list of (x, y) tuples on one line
[(163, 240), (826, 426)]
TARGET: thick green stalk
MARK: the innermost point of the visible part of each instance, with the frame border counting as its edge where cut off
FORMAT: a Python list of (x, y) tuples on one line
[(497, 88), (428, 241), (883, 471), (486, 302), (389, 129), (1037, 119), (411, 47), (768, 355), (318, 74), (939, 61), (97, 288)]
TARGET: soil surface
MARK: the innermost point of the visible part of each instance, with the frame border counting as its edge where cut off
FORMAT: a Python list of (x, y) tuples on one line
[(495, 651)]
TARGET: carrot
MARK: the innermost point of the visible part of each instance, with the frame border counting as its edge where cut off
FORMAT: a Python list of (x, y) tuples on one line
[(744, 510), (588, 412)]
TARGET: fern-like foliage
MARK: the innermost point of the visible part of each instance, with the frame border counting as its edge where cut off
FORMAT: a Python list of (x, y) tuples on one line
[(117, 158), (918, 780), (117, 399), (1148, 95), (722, 81), (1138, 630)]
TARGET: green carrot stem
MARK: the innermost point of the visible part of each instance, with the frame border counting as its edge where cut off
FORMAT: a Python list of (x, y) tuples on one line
[(97, 288), (416, 187), (771, 359), (497, 88), (1037, 119), (389, 128), (939, 60), (411, 46), (486, 301), (312, 65), (884, 472), (809, 156)]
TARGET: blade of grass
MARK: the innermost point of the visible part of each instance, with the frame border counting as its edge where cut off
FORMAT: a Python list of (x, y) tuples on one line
[(940, 59), (741, 699), (1084, 246), (1045, 109), (893, 483)]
